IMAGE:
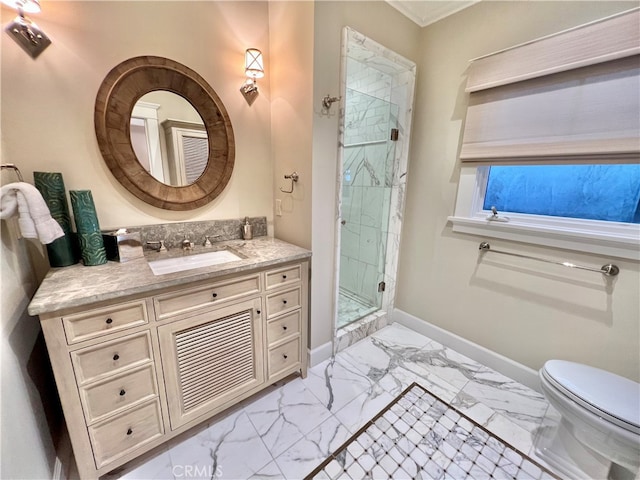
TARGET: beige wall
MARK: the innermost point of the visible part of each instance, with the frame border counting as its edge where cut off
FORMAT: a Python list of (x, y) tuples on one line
[(291, 70), (527, 311), (25, 442), (47, 104), (387, 26)]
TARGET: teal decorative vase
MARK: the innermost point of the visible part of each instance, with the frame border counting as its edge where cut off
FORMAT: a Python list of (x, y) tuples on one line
[(63, 251), (89, 236)]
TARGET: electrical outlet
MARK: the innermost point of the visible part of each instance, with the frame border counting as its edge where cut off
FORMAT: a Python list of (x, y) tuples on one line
[(278, 207)]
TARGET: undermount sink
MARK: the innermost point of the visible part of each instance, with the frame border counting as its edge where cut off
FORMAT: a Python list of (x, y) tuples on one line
[(188, 262)]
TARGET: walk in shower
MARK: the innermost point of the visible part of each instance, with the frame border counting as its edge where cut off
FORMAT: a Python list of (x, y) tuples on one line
[(370, 135), (377, 94)]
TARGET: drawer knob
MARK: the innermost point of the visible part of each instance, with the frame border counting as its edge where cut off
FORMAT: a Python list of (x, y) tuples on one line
[(109, 321), (214, 295), (129, 431), (284, 301), (284, 355), (284, 277), (122, 392), (284, 327), (116, 357), (258, 312)]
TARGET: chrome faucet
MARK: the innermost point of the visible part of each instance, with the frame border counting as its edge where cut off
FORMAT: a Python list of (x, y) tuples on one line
[(207, 240), (186, 244)]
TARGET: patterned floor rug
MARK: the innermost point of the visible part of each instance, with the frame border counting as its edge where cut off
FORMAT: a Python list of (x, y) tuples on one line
[(419, 436)]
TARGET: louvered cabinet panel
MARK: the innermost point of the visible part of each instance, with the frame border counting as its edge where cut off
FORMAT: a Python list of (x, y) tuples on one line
[(211, 358)]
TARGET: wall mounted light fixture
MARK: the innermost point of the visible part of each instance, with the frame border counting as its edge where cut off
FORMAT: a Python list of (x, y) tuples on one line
[(23, 30), (253, 68)]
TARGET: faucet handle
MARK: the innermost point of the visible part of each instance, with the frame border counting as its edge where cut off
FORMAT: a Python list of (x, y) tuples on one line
[(207, 242), (157, 245)]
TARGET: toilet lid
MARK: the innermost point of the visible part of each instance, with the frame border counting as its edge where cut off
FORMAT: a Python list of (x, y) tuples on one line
[(604, 393)]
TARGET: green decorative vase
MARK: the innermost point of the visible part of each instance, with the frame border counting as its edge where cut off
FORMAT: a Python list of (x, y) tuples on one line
[(62, 252), (89, 236)]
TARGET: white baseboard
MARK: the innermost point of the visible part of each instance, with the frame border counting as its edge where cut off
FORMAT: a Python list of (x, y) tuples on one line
[(320, 354), (518, 372)]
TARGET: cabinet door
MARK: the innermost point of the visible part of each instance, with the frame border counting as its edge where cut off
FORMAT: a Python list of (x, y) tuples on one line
[(211, 358)]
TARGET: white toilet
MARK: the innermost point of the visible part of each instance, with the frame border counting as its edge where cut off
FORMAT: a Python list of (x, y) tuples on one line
[(599, 432)]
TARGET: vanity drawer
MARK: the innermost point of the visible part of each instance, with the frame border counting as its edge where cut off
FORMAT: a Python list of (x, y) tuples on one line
[(283, 357), (192, 299), (117, 436), (112, 357), (95, 323), (283, 302), (118, 393), (283, 327), (282, 276)]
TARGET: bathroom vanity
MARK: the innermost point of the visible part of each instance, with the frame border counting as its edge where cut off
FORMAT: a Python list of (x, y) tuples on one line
[(139, 358)]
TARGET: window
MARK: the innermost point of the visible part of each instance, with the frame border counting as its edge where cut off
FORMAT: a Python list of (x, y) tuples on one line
[(552, 141), (595, 192), (611, 238)]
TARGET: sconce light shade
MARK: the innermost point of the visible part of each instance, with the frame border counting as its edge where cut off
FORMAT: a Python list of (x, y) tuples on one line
[(254, 68), (27, 6)]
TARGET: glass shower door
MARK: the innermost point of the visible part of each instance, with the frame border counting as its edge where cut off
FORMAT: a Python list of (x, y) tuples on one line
[(366, 186)]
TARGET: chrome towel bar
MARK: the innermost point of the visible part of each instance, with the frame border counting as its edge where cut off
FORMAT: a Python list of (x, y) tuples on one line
[(608, 270)]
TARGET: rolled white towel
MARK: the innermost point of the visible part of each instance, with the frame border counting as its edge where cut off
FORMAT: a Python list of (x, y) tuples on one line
[(35, 219)]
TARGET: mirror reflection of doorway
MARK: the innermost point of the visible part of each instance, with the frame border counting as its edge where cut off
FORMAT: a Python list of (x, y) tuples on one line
[(169, 138), (140, 144)]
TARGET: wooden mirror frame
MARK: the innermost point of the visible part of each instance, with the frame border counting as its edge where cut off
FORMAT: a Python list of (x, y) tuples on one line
[(119, 92)]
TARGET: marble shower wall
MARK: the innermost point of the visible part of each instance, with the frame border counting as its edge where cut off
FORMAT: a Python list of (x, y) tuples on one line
[(378, 91), (367, 177), (366, 195)]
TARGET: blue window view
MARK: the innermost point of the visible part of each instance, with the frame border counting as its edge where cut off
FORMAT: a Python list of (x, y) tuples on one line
[(595, 192)]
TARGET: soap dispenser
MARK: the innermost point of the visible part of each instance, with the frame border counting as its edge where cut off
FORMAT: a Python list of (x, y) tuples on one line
[(247, 229)]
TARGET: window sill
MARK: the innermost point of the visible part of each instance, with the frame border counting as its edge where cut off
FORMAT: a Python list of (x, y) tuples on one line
[(623, 243)]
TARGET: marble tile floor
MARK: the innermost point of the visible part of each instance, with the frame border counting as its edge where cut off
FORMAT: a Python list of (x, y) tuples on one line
[(350, 309), (286, 431)]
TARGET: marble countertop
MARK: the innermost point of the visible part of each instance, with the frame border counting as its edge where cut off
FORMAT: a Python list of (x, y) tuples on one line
[(77, 285)]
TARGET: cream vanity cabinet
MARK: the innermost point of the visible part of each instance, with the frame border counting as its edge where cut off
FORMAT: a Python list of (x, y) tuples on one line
[(132, 374)]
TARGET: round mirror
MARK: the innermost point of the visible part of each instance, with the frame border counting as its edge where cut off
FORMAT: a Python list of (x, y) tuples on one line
[(164, 181), (169, 138)]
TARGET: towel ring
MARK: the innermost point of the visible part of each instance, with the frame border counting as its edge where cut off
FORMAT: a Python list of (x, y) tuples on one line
[(14, 168)]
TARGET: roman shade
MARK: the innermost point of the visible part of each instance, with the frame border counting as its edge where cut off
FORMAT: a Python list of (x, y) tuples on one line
[(570, 97)]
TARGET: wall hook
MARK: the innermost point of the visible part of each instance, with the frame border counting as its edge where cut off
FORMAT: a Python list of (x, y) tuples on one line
[(294, 178)]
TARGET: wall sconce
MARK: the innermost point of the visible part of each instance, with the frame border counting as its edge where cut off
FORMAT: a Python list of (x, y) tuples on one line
[(253, 68), (24, 31)]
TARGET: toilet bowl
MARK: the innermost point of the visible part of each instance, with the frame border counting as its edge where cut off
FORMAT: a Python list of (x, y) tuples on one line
[(600, 420)]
